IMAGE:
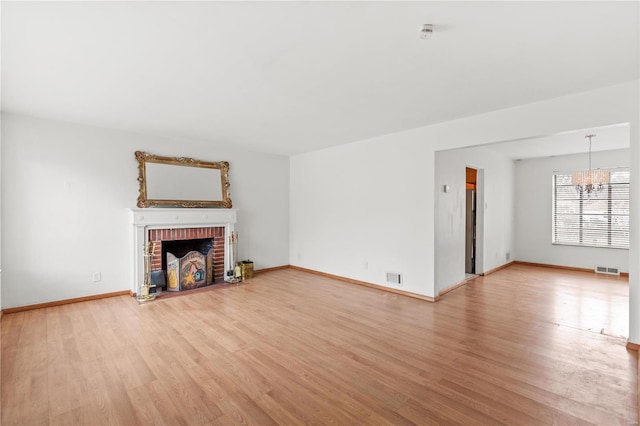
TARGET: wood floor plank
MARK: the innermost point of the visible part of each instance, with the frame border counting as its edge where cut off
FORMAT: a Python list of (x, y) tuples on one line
[(525, 345)]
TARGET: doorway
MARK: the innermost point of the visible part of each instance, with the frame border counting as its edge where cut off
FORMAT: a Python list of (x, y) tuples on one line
[(471, 221)]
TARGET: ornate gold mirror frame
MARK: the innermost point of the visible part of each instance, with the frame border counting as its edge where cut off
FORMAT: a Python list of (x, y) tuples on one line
[(182, 182)]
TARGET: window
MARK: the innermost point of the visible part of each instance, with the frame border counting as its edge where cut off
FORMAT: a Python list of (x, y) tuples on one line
[(597, 220)]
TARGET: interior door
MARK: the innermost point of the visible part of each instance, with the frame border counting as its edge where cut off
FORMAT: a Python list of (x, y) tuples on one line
[(470, 232)]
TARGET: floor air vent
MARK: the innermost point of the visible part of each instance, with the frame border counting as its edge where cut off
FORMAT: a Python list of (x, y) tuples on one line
[(394, 278), (607, 270)]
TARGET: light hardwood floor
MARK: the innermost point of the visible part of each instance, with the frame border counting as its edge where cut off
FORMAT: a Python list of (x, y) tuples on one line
[(525, 345)]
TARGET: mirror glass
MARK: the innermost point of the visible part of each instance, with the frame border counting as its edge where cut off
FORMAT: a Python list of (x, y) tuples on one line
[(166, 181), (182, 182)]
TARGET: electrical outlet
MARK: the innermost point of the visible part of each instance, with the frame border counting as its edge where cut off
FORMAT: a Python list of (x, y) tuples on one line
[(97, 276), (365, 265), (508, 256)]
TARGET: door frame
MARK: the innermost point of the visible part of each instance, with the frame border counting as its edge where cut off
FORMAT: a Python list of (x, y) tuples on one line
[(480, 208)]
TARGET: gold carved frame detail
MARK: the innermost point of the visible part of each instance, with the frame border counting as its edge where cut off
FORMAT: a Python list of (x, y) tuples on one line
[(183, 165)]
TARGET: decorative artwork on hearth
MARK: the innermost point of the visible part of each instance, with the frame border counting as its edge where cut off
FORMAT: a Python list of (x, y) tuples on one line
[(187, 272), (173, 272)]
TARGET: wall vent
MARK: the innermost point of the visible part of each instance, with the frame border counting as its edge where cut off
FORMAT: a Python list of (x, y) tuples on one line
[(607, 270), (394, 278)]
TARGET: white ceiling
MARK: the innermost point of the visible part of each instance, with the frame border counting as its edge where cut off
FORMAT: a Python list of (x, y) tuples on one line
[(291, 77), (572, 142)]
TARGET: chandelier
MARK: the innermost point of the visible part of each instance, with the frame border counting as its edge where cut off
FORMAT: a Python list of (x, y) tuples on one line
[(589, 181)]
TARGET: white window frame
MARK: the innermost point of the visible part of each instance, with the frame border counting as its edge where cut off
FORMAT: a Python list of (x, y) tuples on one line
[(581, 199)]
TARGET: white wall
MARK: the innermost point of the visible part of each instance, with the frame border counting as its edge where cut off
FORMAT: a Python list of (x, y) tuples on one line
[(66, 189), (1, 210), (494, 212), (374, 199), (534, 212), (0, 173), (356, 216)]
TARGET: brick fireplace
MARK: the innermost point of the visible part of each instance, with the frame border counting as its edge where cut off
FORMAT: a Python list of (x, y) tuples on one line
[(215, 234), (179, 224)]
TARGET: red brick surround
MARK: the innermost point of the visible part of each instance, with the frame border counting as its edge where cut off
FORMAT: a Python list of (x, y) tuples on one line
[(216, 233)]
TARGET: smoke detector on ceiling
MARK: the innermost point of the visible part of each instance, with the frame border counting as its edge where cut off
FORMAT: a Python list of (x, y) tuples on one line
[(426, 31)]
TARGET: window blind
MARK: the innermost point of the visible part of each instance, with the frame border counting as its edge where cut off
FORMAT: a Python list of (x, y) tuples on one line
[(599, 219)]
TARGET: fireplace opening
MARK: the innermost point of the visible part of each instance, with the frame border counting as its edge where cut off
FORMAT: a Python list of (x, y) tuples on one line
[(187, 258), (179, 248), (188, 264)]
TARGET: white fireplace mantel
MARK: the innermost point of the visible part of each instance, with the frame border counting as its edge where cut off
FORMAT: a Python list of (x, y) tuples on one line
[(141, 220)]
